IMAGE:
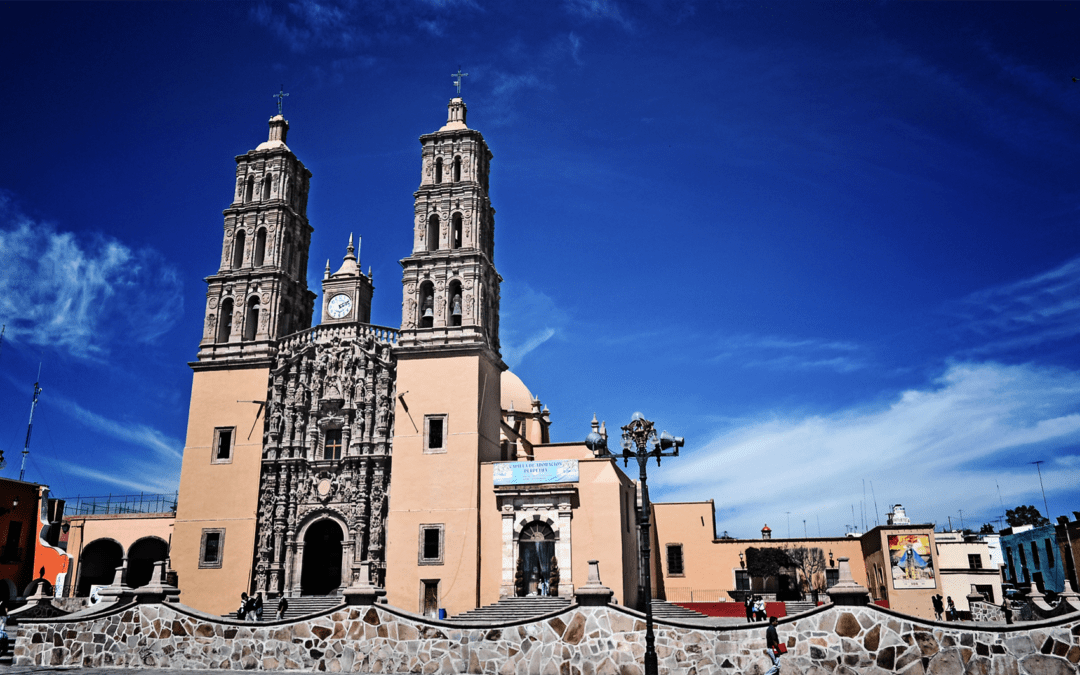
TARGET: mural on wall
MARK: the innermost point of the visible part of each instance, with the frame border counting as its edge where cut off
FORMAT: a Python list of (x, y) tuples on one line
[(911, 560)]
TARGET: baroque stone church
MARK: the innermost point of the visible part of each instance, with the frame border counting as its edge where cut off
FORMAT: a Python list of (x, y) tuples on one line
[(348, 454)]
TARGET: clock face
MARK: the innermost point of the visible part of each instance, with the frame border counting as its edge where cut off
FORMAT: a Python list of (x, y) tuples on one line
[(339, 306)]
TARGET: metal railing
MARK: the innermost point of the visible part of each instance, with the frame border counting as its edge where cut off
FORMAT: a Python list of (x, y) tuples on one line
[(143, 502), (687, 594)]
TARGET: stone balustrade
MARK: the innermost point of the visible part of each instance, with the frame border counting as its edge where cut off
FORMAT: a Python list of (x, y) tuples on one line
[(583, 640)]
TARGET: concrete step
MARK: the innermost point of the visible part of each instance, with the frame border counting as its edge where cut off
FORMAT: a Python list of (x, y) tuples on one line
[(798, 607), (668, 610), (304, 605), (513, 609)]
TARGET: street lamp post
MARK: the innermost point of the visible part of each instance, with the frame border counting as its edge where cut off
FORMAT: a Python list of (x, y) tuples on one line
[(641, 441)]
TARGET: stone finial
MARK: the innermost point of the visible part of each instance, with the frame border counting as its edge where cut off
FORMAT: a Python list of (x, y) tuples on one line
[(593, 592), (118, 590), (846, 591), (326, 272), (362, 591)]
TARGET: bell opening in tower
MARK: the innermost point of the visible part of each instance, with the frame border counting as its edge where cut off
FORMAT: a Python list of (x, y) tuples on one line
[(427, 305), (455, 303)]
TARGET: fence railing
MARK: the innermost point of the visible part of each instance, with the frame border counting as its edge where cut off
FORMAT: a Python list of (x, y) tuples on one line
[(118, 504), (686, 594)]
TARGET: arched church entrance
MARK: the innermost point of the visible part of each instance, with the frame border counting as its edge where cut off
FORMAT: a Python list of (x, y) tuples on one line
[(141, 558), (321, 572), (98, 563), (536, 552)]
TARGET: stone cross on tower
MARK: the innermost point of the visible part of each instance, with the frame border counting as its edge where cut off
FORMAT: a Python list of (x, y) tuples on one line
[(281, 95), (457, 79)]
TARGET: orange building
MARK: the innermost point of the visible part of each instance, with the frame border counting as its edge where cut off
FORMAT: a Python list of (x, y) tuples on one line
[(30, 527)]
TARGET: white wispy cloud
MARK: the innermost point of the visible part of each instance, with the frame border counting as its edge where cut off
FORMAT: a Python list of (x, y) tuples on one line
[(148, 480), (1041, 309), (135, 433), (937, 450), (75, 293), (785, 353), (529, 318), (604, 10)]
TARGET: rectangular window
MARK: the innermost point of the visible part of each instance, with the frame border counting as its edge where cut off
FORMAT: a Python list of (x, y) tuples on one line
[(1010, 567), (212, 548), (11, 552), (332, 444), (431, 544), (674, 560), (974, 561), (223, 445), (1023, 576), (987, 591), (742, 580), (1035, 556), (832, 577), (1049, 554), (434, 433)]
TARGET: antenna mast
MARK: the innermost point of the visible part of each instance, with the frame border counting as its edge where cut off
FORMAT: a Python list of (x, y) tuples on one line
[(30, 426)]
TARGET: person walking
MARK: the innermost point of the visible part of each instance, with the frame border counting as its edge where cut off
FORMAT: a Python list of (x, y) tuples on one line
[(282, 605), (748, 603), (772, 647), (951, 613), (1007, 609), (759, 609), (258, 606), (939, 608), (243, 606)]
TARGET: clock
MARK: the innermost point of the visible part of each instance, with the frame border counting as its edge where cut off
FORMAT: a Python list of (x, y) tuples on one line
[(339, 306)]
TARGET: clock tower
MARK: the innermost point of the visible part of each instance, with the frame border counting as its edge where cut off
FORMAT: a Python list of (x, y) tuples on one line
[(347, 292)]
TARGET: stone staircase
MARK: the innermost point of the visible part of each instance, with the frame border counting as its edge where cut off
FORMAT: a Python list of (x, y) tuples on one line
[(662, 609), (513, 609), (798, 607), (305, 605)]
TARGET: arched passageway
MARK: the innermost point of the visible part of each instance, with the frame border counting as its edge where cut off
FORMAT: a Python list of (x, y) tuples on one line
[(321, 573), (141, 558), (98, 563), (536, 550)]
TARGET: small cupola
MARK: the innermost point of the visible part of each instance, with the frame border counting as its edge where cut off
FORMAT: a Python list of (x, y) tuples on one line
[(279, 127), (455, 117), (766, 533)]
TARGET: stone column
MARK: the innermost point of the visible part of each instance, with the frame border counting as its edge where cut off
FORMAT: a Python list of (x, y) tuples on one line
[(563, 549), (509, 564)]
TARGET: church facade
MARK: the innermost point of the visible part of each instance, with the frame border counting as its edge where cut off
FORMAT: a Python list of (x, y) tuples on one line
[(350, 453)]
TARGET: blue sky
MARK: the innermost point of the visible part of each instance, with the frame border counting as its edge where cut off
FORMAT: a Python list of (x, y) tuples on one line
[(828, 243)]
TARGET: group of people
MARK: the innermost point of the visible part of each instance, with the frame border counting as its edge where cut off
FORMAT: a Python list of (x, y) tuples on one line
[(251, 607), (948, 608), (755, 608)]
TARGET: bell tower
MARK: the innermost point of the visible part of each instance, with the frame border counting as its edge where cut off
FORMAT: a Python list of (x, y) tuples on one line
[(448, 377), (260, 292), (258, 295), (451, 287)]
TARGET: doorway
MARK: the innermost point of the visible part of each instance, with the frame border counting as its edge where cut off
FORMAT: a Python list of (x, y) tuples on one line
[(430, 601), (536, 550), (97, 564), (321, 573)]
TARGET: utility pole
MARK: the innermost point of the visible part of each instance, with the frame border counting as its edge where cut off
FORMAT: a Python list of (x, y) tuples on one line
[(1039, 468), (30, 426)]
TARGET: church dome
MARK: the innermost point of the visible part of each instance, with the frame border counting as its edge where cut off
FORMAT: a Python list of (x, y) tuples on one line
[(514, 391)]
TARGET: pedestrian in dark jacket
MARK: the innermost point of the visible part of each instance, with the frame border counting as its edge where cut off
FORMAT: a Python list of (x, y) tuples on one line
[(748, 603), (772, 646)]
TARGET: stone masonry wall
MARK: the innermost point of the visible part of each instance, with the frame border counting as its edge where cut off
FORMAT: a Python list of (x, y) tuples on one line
[(606, 640)]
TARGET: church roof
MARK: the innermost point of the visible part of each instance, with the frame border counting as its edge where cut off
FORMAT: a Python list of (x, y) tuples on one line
[(514, 391), (349, 266)]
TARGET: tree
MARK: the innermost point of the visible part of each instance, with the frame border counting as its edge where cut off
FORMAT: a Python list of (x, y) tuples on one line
[(809, 562), (1025, 515), (987, 528), (766, 562)]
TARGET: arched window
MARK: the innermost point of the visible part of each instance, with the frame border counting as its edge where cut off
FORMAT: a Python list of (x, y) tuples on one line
[(225, 320), (455, 231), (457, 169), (427, 305), (266, 187), (249, 193), (433, 233), (251, 324), (438, 170), (238, 249), (455, 303), (260, 247), (285, 320)]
